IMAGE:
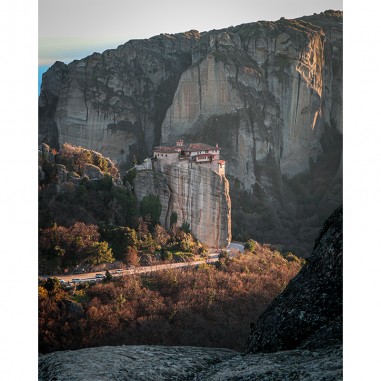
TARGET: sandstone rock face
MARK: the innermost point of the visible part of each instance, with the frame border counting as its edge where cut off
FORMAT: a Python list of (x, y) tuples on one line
[(309, 312), (115, 102), (92, 172), (157, 363), (270, 93), (196, 193)]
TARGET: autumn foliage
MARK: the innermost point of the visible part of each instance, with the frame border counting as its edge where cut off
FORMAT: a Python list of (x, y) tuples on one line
[(206, 306)]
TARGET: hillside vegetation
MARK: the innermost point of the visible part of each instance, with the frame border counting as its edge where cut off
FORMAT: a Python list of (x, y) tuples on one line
[(89, 216), (211, 305)]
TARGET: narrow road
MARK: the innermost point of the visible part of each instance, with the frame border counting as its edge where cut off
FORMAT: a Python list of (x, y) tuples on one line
[(236, 246), (212, 257), (77, 278)]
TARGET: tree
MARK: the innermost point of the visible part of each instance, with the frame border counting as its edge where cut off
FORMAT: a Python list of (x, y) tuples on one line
[(160, 235), (108, 276), (166, 256), (132, 238), (142, 229), (173, 219), (250, 245), (100, 253), (132, 258), (151, 205), (185, 227), (52, 285)]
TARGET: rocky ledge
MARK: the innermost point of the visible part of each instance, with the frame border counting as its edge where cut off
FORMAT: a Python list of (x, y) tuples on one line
[(158, 363)]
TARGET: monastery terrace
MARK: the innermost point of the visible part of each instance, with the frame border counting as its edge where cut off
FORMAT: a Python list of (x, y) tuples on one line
[(193, 153)]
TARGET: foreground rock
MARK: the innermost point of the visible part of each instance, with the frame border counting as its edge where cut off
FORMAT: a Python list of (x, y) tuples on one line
[(309, 312), (157, 363)]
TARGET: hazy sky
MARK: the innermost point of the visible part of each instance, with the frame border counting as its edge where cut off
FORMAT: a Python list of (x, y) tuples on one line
[(73, 29)]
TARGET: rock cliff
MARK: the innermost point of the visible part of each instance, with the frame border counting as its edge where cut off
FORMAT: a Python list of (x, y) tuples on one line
[(309, 312), (196, 194), (269, 92)]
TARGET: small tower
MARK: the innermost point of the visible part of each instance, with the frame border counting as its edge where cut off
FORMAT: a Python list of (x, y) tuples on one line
[(179, 143)]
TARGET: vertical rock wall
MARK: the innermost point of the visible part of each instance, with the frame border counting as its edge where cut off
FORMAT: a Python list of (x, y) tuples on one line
[(196, 193)]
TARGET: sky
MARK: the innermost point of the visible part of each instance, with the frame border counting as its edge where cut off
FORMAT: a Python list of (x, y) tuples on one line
[(23, 25), (73, 29)]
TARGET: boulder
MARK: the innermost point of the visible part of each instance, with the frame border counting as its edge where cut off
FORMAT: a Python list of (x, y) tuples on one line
[(309, 312), (92, 172)]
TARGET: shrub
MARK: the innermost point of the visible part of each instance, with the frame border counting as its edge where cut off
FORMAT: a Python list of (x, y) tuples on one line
[(250, 245), (167, 255), (185, 227), (108, 276)]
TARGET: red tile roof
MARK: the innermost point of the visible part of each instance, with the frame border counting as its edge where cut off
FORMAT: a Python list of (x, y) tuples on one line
[(191, 147), (167, 149)]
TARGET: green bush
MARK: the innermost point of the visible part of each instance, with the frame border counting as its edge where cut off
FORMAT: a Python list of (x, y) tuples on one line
[(150, 205), (167, 255), (250, 245), (185, 227), (130, 176), (100, 253), (52, 285), (173, 219)]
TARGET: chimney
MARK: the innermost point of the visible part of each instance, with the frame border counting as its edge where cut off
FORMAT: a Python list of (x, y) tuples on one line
[(217, 145), (179, 143)]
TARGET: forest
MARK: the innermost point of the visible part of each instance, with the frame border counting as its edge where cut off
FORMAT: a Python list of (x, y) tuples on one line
[(89, 217), (208, 305)]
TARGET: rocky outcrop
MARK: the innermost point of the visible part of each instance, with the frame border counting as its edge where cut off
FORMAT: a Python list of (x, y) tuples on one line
[(269, 92), (196, 194), (309, 312), (92, 172), (51, 161), (146, 363)]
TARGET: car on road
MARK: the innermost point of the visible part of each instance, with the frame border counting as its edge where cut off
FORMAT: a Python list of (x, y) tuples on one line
[(76, 280), (119, 271), (100, 276)]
